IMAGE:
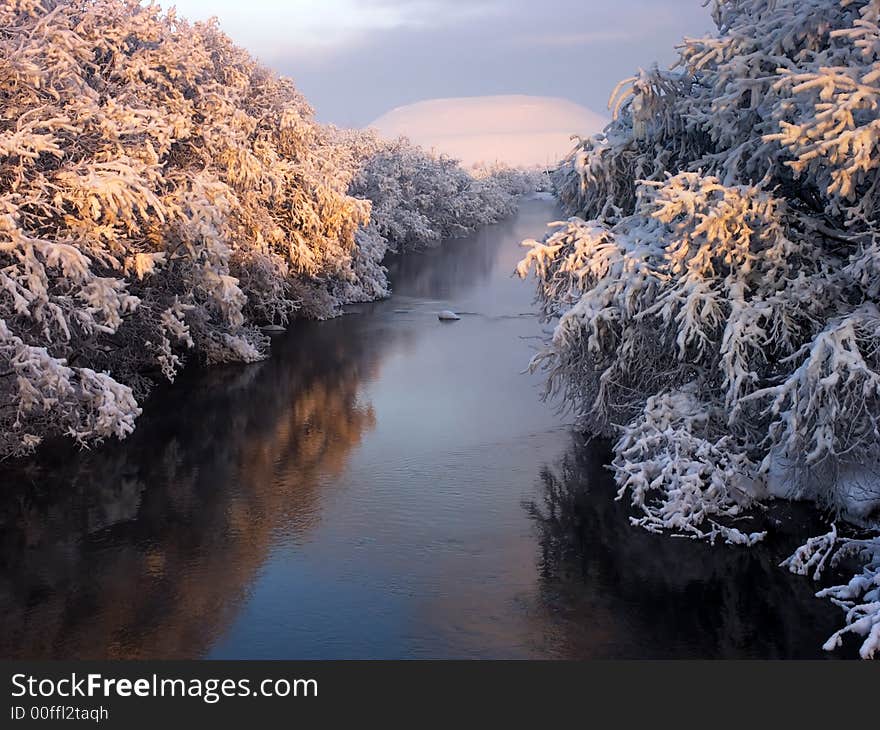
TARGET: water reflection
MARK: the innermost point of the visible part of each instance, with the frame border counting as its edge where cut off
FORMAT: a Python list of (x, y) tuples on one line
[(151, 547), (359, 496), (457, 266), (146, 548), (611, 590)]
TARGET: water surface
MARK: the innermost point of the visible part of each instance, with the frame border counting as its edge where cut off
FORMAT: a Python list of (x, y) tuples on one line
[(386, 485)]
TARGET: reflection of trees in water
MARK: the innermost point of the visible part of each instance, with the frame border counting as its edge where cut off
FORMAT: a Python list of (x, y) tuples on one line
[(460, 265), (617, 591), (145, 549), (457, 266)]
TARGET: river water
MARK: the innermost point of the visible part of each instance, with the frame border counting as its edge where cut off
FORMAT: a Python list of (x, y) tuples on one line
[(386, 485)]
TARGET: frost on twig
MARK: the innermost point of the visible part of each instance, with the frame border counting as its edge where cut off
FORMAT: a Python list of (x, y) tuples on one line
[(678, 478), (859, 597)]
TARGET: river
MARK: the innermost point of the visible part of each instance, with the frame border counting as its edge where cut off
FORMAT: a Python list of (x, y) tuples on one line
[(386, 485)]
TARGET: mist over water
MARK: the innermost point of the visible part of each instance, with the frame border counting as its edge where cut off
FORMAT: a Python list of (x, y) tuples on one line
[(386, 485)]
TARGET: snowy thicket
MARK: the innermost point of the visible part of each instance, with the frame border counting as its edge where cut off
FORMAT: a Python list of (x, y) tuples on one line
[(419, 198), (159, 191), (717, 289), (162, 194)]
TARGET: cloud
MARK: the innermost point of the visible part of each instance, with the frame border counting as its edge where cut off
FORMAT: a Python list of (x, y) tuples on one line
[(355, 59), (289, 28), (580, 39)]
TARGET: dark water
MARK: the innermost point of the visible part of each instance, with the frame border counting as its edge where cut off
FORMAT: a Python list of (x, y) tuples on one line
[(386, 485)]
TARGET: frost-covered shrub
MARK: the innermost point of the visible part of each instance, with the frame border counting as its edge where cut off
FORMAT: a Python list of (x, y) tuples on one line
[(162, 194), (159, 192), (419, 199), (860, 597), (717, 288), (515, 180)]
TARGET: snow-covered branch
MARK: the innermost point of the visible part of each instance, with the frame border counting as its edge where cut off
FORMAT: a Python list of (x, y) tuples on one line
[(716, 290), (164, 195)]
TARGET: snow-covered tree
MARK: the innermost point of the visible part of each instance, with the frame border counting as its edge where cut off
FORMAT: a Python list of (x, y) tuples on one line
[(419, 199), (158, 192), (717, 288), (162, 194)]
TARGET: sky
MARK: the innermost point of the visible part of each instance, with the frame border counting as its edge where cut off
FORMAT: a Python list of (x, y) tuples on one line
[(357, 59)]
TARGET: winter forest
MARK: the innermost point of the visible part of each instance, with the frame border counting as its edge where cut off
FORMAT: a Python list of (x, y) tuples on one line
[(711, 304)]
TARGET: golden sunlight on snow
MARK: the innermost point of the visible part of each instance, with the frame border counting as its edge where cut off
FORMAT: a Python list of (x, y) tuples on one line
[(517, 130)]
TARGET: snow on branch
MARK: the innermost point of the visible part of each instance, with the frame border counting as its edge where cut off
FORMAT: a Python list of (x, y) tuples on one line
[(715, 292), (164, 195)]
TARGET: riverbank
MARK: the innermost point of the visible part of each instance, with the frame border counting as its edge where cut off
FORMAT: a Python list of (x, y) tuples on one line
[(384, 485)]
